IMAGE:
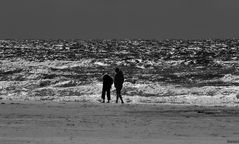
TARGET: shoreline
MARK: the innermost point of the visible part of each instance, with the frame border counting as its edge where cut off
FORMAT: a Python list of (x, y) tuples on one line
[(185, 100)]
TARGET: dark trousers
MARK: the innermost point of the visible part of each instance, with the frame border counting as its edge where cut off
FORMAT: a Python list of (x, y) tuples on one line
[(118, 94), (104, 90)]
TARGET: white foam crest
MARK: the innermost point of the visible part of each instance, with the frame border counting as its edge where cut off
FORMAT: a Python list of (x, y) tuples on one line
[(132, 93)]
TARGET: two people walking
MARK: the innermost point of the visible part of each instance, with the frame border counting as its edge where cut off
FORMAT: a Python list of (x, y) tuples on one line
[(118, 83)]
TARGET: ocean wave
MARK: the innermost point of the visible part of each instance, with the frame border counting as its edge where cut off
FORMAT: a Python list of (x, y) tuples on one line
[(132, 94)]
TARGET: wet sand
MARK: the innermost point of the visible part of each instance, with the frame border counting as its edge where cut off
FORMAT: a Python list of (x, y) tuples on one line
[(82, 123)]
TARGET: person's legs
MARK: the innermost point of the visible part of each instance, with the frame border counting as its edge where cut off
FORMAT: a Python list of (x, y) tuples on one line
[(108, 95), (103, 95), (118, 94)]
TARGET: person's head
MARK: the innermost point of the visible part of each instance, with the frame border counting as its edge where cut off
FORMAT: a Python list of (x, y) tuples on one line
[(117, 70)]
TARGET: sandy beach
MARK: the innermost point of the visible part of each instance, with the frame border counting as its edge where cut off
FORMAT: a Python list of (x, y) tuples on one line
[(82, 123)]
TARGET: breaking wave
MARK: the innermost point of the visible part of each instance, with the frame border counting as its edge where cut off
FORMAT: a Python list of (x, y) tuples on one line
[(68, 91)]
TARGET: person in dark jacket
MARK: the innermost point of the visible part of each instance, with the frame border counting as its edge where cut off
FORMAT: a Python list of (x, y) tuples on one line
[(107, 83), (118, 82)]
